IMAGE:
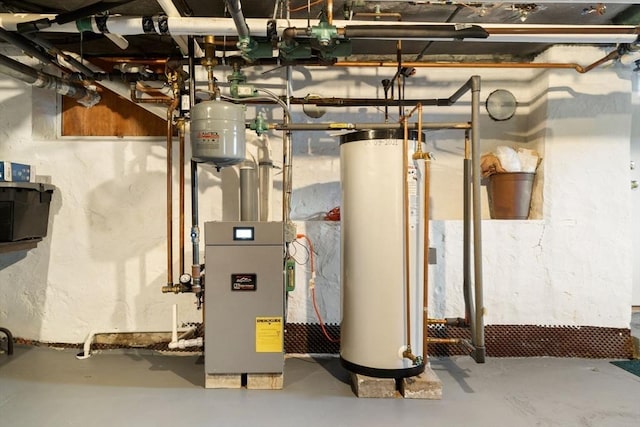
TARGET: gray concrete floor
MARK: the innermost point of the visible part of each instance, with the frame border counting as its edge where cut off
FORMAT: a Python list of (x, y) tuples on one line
[(47, 387)]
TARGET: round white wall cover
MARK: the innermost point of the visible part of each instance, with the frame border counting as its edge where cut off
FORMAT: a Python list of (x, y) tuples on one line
[(501, 105), (312, 110)]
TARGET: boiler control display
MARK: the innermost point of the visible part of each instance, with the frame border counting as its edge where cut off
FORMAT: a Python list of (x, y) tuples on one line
[(243, 233)]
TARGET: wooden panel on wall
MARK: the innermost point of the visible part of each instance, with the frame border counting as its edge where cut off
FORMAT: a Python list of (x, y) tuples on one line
[(112, 116)]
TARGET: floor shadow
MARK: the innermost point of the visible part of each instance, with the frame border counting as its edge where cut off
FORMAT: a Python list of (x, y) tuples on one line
[(450, 367), (190, 368), (332, 366)]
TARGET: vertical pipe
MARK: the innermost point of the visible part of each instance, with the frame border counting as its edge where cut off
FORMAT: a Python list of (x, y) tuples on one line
[(195, 231), (181, 132), (330, 12), (194, 214), (466, 260), (478, 338), (425, 257), (170, 111), (405, 211), (287, 153)]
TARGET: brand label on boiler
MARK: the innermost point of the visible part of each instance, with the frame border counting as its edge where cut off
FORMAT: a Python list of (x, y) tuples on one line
[(244, 282)]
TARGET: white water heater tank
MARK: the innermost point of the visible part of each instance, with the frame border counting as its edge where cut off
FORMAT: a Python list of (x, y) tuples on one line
[(218, 133), (373, 331)]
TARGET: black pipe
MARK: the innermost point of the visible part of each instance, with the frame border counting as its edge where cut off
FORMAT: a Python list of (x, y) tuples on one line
[(70, 59), (418, 32), (65, 18), (25, 45), (9, 340), (23, 72)]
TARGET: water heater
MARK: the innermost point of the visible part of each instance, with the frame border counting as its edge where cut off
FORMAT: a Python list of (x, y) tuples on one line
[(373, 331), (218, 133)]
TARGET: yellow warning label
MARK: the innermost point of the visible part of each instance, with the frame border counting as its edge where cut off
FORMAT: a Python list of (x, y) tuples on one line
[(269, 334)]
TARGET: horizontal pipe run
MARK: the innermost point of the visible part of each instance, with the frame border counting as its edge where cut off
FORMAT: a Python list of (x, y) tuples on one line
[(366, 126), (516, 65), (449, 321), (528, 33), (20, 71), (443, 340), (414, 32), (359, 102)]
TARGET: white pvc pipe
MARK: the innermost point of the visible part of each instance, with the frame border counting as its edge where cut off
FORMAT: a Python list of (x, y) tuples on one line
[(174, 323), (86, 350), (607, 34), (171, 10), (182, 344)]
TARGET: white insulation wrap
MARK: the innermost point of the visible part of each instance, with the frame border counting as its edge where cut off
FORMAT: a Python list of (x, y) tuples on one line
[(373, 332), (218, 133)]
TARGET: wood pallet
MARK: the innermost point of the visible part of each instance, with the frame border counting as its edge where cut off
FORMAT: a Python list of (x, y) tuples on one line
[(273, 381), (424, 386)]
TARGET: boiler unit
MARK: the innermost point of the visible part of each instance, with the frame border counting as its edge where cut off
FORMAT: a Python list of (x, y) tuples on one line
[(244, 298), (377, 333)]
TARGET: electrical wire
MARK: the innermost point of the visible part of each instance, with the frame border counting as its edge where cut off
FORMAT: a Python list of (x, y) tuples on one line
[(312, 288)]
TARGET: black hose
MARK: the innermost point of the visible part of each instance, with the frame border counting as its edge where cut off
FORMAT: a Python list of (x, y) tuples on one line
[(9, 340)]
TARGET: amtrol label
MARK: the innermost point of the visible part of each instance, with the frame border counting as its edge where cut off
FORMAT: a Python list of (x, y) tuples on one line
[(269, 335), (244, 282)]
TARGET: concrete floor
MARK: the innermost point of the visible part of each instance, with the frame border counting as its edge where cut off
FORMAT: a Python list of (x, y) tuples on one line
[(47, 387)]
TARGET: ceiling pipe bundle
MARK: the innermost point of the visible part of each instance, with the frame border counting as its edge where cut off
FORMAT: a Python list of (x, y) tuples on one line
[(200, 26)]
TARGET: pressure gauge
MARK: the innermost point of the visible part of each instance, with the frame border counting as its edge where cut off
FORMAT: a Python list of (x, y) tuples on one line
[(501, 105), (185, 279)]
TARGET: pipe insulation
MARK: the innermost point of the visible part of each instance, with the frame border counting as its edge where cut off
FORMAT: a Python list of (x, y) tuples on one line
[(20, 71), (530, 33)]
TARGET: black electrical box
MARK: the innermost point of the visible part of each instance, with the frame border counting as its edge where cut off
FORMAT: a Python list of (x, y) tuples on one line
[(24, 210)]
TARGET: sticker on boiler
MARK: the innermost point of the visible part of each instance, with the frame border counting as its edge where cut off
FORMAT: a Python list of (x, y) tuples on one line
[(269, 335)]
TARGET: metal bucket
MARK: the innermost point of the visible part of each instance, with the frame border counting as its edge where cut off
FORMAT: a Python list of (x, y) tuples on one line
[(510, 195)]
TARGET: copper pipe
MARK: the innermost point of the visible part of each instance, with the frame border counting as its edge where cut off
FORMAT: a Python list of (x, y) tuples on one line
[(535, 65), (405, 205), (610, 29), (330, 12), (181, 133), (170, 110), (425, 256), (436, 322), (445, 340), (147, 99), (380, 15)]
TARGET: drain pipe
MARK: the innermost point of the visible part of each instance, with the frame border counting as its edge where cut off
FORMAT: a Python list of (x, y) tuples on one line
[(20, 71)]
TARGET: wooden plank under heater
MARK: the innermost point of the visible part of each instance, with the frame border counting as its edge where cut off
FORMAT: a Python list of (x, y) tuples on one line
[(112, 116)]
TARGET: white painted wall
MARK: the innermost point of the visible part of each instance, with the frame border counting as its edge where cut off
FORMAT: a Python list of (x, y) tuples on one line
[(103, 263)]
